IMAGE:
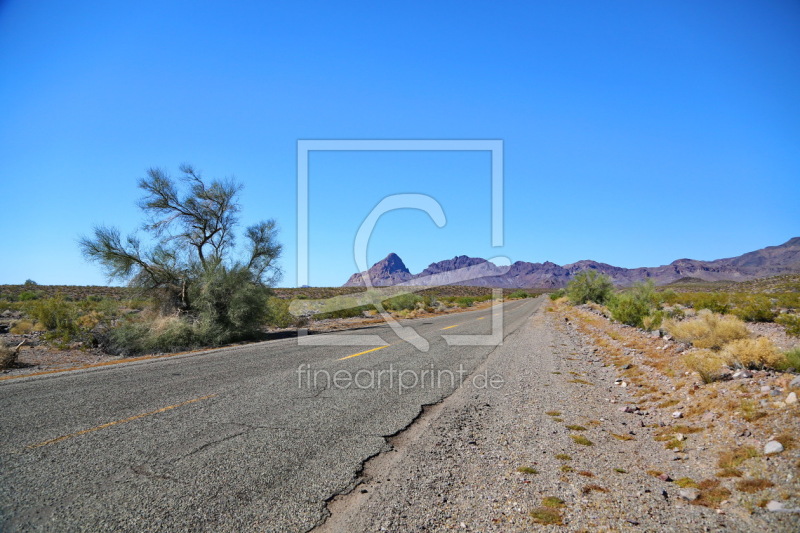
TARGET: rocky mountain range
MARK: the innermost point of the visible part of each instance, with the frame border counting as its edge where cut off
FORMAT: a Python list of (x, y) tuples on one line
[(463, 270)]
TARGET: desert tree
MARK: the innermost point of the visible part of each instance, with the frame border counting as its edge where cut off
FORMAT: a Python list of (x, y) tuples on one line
[(589, 286), (190, 259)]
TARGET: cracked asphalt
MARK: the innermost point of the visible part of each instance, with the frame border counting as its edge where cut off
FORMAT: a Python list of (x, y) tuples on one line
[(237, 439)]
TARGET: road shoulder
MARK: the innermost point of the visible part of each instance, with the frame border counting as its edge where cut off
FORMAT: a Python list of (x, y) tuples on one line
[(486, 458)]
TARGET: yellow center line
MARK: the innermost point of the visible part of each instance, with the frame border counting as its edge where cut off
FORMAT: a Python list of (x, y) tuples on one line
[(365, 351), (481, 318), (109, 424), (455, 326)]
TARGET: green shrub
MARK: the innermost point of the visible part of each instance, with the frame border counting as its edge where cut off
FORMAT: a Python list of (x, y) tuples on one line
[(55, 314), (350, 312), (430, 302), (519, 294), (675, 313), (788, 300), (465, 301), (637, 306), (560, 293), (278, 314), (792, 359), (228, 304), (755, 308), (163, 334), (403, 302), (790, 322), (716, 303), (26, 296), (589, 286)]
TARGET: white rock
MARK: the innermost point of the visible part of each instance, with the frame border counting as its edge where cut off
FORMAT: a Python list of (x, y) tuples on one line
[(792, 398), (774, 506), (766, 388), (677, 414), (689, 494), (773, 446), (680, 437), (795, 383)]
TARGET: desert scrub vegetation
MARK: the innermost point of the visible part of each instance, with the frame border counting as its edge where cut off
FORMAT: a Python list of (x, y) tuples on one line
[(724, 342), (557, 295), (708, 364), (791, 322), (589, 286), (793, 358), (206, 292), (8, 355), (754, 308), (749, 306), (547, 515), (708, 330), (755, 354), (520, 294), (639, 306)]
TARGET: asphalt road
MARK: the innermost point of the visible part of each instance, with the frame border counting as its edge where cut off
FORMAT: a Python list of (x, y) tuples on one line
[(237, 439)]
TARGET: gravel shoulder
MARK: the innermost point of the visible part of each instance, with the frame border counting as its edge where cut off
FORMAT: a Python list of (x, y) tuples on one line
[(485, 458)]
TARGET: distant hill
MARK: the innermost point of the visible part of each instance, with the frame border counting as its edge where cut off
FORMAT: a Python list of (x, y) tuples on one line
[(463, 270)]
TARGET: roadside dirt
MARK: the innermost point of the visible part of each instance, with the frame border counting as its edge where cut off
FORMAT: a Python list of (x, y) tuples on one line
[(563, 442)]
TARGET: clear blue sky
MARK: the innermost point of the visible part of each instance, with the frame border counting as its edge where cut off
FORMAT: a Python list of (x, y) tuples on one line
[(635, 133)]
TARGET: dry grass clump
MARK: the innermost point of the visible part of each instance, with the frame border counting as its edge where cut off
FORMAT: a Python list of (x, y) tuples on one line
[(736, 457), (786, 440), (553, 502), (710, 365), (527, 470), (21, 327), (8, 356), (711, 494), (593, 488), (750, 411), (729, 472), (752, 353), (580, 439), (563, 457), (546, 516), (708, 330), (753, 485)]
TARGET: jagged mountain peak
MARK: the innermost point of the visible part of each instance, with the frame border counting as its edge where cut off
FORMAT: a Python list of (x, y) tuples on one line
[(465, 270)]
